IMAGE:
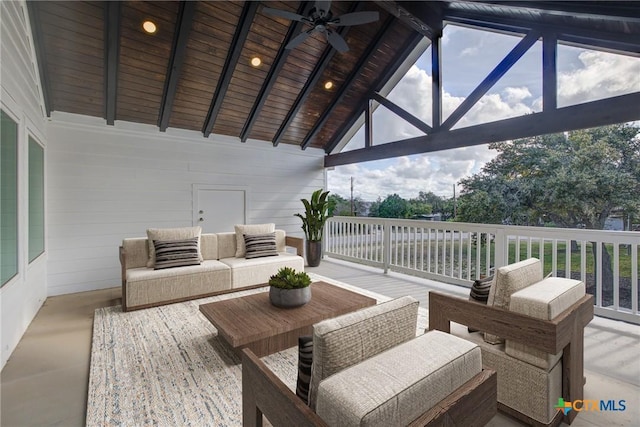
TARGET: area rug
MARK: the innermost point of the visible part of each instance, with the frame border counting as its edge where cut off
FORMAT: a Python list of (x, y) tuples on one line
[(166, 366)]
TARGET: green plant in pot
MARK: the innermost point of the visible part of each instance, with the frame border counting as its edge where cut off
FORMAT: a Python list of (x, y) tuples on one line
[(315, 215), (289, 288)]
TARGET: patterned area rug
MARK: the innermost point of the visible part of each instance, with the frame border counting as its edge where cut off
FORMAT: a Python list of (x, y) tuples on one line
[(166, 366)]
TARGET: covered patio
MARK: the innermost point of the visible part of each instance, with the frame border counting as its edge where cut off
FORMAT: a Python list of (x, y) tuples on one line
[(221, 116)]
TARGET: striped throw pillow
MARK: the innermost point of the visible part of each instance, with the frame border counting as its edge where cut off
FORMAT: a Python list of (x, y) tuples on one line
[(305, 359), (176, 253), (260, 245)]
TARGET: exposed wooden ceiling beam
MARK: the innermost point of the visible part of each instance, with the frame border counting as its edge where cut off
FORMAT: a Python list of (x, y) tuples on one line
[(601, 39), (355, 73), (619, 109), (237, 43), (178, 52), (399, 111), (376, 87), (428, 24), (281, 58), (315, 75), (612, 10), (111, 58), (38, 43), (500, 70)]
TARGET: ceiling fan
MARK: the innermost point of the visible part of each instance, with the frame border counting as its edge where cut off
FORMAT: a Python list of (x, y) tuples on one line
[(322, 20)]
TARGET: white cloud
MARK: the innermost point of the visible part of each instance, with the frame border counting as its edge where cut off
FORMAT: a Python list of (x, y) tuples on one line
[(601, 75)]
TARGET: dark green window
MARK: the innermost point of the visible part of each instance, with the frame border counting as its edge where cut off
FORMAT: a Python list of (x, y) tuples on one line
[(8, 198)]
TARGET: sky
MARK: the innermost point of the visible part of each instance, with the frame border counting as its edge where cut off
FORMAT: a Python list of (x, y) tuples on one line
[(468, 56)]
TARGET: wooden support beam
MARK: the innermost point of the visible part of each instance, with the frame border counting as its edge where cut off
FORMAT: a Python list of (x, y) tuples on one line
[(111, 58), (368, 125), (315, 75), (500, 70), (376, 86), (422, 24), (237, 43), (402, 113), (178, 52), (38, 43), (619, 109), (281, 58), (549, 72), (346, 85), (436, 83)]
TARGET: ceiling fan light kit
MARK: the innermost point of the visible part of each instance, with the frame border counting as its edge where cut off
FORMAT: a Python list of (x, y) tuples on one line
[(321, 20)]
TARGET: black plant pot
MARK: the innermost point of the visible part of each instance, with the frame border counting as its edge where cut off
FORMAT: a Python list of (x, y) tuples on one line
[(314, 253)]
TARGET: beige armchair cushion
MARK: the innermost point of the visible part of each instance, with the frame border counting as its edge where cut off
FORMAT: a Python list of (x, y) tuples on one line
[(510, 279), (396, 386), (351, 338), (543, 300)]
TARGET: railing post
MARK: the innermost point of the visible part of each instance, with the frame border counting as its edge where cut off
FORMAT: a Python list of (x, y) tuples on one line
[(501, 248), (386, 245)]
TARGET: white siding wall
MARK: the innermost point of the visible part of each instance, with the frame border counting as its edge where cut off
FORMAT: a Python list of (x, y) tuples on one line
[(106, 183), (20, 97)]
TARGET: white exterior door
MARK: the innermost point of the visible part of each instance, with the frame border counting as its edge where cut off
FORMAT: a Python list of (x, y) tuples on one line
[(218, 209)]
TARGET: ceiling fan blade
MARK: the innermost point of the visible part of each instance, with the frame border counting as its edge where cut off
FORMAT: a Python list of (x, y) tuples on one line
[(299, 39), (283, 14), (323, 6), (356, 18), (337, 41)]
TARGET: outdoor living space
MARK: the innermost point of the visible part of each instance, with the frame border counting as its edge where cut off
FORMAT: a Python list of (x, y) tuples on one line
[(45, 381), (121, 117)]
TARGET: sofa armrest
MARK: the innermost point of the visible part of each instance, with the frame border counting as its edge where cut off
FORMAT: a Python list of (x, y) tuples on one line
[(123, 273), (550, 336), (264, 393), (295, 242)]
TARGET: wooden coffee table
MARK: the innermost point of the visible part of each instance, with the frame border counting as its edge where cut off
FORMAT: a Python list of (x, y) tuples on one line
[(253, 322)]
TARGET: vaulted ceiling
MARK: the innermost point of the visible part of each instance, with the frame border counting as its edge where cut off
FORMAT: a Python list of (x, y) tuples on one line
[(195, 73)]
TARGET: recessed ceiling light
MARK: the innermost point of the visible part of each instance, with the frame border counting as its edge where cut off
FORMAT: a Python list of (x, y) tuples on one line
[(149, 27), (255, 61), (328, 85)]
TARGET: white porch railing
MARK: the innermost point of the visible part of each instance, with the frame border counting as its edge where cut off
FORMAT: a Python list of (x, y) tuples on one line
[(458, 253)]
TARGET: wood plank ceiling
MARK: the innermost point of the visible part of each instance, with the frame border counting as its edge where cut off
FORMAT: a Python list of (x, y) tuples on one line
[(195, 73)]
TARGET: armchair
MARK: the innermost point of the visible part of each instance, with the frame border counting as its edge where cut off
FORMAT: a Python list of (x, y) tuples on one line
[(542, 357), (439, 382)]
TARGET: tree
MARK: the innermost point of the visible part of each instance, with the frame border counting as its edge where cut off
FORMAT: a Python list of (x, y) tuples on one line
[(577, 179), (393, 206)]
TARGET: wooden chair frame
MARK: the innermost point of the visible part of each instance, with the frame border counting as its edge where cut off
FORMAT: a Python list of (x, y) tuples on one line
[(565, 332), (263, 393)]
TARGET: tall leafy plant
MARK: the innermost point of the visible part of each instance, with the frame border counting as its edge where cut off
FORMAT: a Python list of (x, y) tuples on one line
[(316, 214)]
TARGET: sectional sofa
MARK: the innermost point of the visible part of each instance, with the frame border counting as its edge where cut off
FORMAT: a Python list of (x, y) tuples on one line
[(223, 265)]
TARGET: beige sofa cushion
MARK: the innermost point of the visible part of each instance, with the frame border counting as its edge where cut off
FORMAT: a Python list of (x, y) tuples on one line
[(510, 279), (384, 391), (242, 229), (349, 339), (209, 246), (170, 234), (543, 300), (255, 271)]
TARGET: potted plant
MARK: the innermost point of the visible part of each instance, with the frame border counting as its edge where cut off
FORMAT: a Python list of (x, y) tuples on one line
[(289, 288), (316, 214)]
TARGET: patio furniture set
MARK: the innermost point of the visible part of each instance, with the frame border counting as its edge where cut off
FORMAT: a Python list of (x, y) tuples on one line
[(369, 364)]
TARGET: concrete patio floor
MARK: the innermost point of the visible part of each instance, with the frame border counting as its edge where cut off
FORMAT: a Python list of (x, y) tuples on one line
[(45, 381)]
